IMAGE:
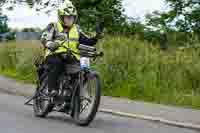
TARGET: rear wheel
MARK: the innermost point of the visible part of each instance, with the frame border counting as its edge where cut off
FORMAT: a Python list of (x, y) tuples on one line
[(87, 100), (41, 104)]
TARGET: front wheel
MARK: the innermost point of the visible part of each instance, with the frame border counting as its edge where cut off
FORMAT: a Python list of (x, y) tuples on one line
[(87, 100)]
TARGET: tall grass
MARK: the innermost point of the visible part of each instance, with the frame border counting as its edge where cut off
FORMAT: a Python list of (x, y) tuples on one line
[(138, 70), (17, 59), (130, 68)]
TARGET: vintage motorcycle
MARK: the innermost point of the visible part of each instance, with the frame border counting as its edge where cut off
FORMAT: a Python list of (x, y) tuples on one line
[(79, 89)]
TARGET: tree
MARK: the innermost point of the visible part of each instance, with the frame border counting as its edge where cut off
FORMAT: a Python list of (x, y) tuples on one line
[(108, 11), (182, 19), (3, 24), (90, 11), (184, 16), (28, 30)]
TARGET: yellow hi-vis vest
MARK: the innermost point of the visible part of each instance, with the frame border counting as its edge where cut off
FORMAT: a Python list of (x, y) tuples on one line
[(72, 42)]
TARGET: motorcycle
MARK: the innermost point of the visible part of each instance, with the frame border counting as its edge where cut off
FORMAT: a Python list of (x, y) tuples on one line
[(79, 89)]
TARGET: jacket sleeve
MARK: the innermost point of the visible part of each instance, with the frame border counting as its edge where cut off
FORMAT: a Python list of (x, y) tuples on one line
[(86, 40), (48, 34)]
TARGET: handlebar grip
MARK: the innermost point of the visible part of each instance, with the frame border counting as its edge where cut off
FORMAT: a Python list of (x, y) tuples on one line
[(86, 48), (91, 54)]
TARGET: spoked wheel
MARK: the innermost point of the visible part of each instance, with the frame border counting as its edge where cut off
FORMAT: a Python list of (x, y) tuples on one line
[(41, 104), (87, 100)]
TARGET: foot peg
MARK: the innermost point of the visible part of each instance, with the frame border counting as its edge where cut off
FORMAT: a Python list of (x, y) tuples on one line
[(53, 93)]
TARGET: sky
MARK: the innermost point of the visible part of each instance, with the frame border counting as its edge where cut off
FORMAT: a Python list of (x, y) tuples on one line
[(138, 8), (22, 16)]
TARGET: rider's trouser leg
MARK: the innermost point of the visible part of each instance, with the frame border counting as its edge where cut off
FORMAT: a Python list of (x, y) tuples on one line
[(56, 67)]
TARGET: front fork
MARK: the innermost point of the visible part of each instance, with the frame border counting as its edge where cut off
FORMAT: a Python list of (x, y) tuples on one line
[(76, 92)]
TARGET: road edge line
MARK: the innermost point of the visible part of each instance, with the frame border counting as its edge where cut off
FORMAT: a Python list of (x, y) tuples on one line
[(151, 118)]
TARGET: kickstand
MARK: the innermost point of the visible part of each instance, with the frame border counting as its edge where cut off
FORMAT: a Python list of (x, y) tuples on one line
[(33, 97), (28, 102)]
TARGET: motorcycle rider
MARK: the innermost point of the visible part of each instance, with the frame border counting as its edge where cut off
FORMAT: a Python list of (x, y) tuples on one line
[(66, 25)]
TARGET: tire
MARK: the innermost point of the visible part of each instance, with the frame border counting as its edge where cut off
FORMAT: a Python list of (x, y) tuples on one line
[(95, 106), (38, 111)]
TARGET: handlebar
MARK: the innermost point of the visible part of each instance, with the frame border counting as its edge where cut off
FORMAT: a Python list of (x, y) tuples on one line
[(85, 51)]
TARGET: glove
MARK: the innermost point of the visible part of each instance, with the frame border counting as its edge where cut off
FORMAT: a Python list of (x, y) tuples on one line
[(52, 46)]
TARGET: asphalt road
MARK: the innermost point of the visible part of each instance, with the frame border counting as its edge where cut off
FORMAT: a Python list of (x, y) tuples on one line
[(17, 118)]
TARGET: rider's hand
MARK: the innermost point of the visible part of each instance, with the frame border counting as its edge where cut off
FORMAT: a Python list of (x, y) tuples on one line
[(52, 46)]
